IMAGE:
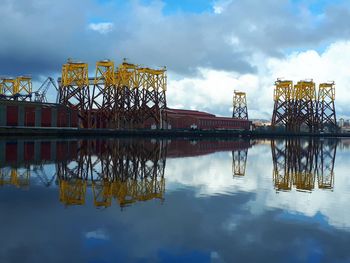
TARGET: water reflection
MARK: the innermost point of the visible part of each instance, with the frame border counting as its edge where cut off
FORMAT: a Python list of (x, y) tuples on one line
[(126, 170), (130, 170), (298, 163)]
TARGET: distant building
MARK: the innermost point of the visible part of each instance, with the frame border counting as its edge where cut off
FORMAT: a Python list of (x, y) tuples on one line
[(341, 122)]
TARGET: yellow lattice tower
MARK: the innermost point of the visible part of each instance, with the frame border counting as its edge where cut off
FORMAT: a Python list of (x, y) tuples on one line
[(23, 85), (72, 191), (75, 73), (105, 73), (283, 104), (103, 94), (8, 86), (326, 115), (305, 105), (74, 90), (240, 109)]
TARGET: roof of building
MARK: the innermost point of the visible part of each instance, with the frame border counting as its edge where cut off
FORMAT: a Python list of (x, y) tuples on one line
[(199, 114), (189, 112)]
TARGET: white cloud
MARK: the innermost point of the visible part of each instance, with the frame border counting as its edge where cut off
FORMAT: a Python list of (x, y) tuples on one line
[(102, 28), (213, 90)]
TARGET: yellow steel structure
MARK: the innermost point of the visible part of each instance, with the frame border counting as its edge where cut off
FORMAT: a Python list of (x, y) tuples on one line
[(74, 90), (326, 107), (105, 73), (103, 94), (283, 103), (283, 91), (240, 110), (305, 105), (305, 90), (8, 86), (23, 85), (75, 73)]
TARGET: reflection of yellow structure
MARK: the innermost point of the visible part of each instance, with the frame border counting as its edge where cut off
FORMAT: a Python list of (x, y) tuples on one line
[(102, 191), (72, 191), (131, 191), (326, 181), (282, 182), (16, 177), (304, 181), (239, 162), (299, 163)]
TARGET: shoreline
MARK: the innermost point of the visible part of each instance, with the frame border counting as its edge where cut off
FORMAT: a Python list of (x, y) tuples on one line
[(74, 132)]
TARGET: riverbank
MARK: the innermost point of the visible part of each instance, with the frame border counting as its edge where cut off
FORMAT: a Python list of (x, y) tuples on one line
[(74, 132)]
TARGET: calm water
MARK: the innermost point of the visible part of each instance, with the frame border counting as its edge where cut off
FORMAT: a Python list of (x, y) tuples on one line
[(130, 200)]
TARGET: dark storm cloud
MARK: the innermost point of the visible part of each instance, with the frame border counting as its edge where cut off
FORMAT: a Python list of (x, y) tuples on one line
[(39, 35)]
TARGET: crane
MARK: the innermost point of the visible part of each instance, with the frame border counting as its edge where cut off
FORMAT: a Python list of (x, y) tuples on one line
[(40, 94)]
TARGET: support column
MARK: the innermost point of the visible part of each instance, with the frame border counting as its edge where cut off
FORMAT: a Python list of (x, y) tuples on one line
[(2, 153), (20, 151), (53, 150), (3, 115), (21, 116), (37, 116), (53, 117), (37, 151)]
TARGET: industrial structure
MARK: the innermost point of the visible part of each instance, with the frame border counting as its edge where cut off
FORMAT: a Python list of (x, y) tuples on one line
[(125, 170), (128, 96), (301, 106), (299, 163), (240, 109)]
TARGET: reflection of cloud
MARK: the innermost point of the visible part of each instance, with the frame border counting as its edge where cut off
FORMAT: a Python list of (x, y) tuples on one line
[(97, 234), (209, 175), (212, 175), (102, 28)]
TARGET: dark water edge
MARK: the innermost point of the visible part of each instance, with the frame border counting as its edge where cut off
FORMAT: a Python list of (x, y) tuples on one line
[(147, 133)]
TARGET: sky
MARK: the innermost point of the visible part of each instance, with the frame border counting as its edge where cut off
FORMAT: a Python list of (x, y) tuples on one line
[(210, 48)]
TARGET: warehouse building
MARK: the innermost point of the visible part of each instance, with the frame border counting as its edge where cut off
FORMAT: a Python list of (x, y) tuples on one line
[(33, 114)]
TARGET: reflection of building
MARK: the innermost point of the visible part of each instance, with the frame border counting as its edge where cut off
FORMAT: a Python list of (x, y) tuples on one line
[(297, 163)]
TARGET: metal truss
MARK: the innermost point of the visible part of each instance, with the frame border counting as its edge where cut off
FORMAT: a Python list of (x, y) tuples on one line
[(128, 97), (298, 106), (326, 107), (240, 109)]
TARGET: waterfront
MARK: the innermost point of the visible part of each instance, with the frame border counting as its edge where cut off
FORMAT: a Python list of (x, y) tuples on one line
[(130, 200)]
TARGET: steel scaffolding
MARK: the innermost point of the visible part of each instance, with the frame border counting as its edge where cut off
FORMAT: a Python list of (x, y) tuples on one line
[(326, 107), (127, 97), (240, 109), (300, 106)]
